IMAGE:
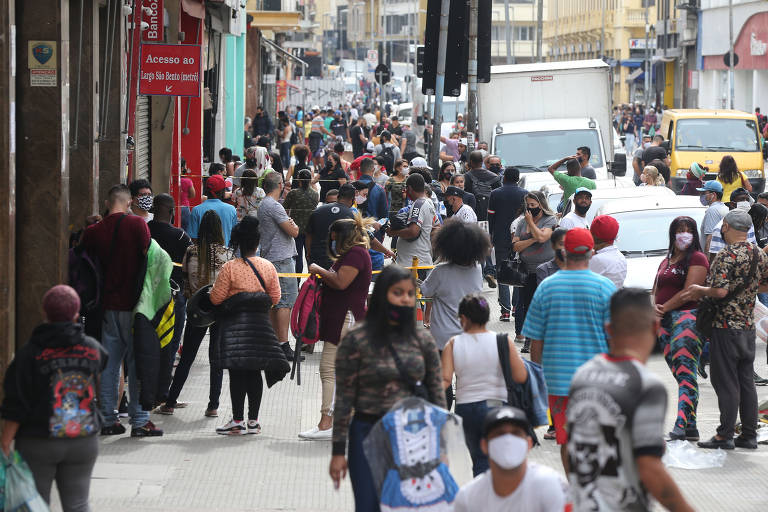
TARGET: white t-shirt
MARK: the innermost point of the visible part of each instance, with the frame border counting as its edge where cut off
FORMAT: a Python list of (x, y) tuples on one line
[(466, 214), (572, 220), (542, 490), (609, 262)]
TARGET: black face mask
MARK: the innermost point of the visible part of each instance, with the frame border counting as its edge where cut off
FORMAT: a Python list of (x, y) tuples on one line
[(494, 168), (400, 315), (534, 211), (581, 209)]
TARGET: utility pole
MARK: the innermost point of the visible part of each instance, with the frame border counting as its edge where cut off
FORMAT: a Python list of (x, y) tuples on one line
[(507, 28), (647, 58), (540, 30), (472, 69), (437, 121), (602, 33), (730, 55)]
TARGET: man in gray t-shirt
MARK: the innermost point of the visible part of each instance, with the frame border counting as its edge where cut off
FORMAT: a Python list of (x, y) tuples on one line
[(615, 418), (713, 193), (277, 245), (415, 238)]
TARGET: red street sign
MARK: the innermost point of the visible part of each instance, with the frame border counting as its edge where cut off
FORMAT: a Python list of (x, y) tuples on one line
[(169, 69), (155, 20)]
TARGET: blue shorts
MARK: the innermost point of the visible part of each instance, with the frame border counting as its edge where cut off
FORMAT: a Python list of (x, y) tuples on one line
[(289, 286)]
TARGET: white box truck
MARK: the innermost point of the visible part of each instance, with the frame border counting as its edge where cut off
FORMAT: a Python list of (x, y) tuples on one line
[(534, 114)]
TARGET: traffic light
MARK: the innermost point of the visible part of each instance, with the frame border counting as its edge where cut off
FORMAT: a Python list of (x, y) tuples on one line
[(484, 14), (457, 51)]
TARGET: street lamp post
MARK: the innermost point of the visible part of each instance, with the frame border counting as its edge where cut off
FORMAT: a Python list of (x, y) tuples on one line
[(730, 56)]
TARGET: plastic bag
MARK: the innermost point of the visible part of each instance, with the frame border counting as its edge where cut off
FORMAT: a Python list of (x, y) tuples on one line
[(761, 321), (20, 490), (682, 454)]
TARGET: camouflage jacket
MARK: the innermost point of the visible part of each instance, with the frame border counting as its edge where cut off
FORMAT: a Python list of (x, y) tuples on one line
[(368, 381)]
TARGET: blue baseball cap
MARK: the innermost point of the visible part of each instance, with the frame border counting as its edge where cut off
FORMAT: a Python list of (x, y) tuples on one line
[(582, 189), (712, 186)]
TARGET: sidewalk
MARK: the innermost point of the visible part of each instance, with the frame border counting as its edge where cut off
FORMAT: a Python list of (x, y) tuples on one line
[(192, 469)]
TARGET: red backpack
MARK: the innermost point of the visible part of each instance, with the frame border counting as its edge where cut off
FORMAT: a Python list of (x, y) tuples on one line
[(305, 318)]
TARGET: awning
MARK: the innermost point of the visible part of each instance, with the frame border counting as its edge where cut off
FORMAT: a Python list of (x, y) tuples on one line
[(632, 63), (194, 8), (277, 48)]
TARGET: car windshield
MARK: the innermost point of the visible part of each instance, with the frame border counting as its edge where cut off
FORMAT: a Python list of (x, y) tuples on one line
[(404, 113), (646, 233), (717, 135), (534, 151)]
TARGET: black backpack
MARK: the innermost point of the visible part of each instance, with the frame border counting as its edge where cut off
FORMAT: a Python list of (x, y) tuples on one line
[(388, 154), (482, 191)]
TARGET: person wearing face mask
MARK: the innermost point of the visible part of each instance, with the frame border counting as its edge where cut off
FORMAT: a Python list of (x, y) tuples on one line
[(545, 270), (141, 199), (684, 265), (513, 484), (582, 201), (616, 417), (380, 361), (607, 261), (443, 181), (344, 292), (458, 180), (474, 357), (637, 158), (740, 200), (395, 186), (461, 211), (711, 197)]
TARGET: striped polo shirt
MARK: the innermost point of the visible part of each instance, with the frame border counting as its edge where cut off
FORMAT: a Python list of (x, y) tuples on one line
[(568, 313)]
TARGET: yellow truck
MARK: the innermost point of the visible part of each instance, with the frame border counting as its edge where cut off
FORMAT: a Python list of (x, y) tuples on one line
[(706, 136)]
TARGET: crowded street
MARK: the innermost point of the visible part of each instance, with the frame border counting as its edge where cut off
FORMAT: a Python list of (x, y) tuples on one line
[(385, 256)]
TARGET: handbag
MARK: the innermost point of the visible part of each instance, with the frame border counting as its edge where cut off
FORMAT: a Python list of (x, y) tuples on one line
[(512, 271), (418, 387), (518, 395), (708, 307)]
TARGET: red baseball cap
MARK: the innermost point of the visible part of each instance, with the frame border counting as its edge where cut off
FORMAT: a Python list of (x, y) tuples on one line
[(605, 228), (578, 241), (216, 183)]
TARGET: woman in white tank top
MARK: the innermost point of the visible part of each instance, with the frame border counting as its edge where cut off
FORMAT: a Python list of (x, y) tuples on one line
[(473, 356)]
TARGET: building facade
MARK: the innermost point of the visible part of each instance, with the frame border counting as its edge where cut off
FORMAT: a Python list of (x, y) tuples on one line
[(522, 16)]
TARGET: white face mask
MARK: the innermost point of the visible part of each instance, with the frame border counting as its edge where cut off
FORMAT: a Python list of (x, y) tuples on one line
[(360, 199), (508, 451), (743, 205)]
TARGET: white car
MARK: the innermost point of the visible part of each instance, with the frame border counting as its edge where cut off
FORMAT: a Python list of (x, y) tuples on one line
[(545, 183), (644, 231), (603, 196)]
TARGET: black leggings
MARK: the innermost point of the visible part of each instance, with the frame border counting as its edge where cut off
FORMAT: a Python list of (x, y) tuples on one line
[(524, 301), (242, 382)]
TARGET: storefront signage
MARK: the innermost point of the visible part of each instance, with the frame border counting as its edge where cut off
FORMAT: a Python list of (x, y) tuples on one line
[(639, 44), (42, 62), (170, 70), (152, 13)]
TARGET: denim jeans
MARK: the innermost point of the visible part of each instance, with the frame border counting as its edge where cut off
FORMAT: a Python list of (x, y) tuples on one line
[(299, 241), (366, 497), (763, 298), (168, 353), (489, 269), (472, 415), (193, 336), (504, 299), (285, 154), (117, 339), (186, 215)]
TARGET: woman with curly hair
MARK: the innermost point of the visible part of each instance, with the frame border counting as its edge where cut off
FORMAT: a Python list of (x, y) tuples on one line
[(461, 250)]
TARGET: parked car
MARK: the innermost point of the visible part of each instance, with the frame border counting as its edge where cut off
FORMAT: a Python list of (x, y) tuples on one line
[(603, 196), (644, 231)]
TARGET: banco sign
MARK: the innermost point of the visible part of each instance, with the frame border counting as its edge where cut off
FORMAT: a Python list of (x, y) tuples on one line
[(170, 70), (154, 19)]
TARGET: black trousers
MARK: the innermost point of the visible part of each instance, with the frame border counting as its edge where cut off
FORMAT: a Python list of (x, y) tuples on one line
[(732, 354), (242, 383)]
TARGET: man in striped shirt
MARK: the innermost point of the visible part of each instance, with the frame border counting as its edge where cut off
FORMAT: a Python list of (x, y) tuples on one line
[(565, 324)]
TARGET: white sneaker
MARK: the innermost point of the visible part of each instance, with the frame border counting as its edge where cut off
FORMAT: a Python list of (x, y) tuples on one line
[(315, 434), (233, 428), (254, 427)]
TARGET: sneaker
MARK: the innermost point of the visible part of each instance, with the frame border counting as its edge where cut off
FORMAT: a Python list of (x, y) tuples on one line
[(148, 430), (233, 428), (743, 442), (211, 413), (714, 443), (759, 381), (676, 436), (315, 434), (526, 347), (491, 281), (550, 434), (288, 351), (113, 430), (254, 427), (181, 405), (164, 409), (505, 316)]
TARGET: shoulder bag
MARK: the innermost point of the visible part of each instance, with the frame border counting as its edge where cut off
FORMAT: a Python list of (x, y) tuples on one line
[(705, 314), (418, 387), (512, 271), (518, 395)]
